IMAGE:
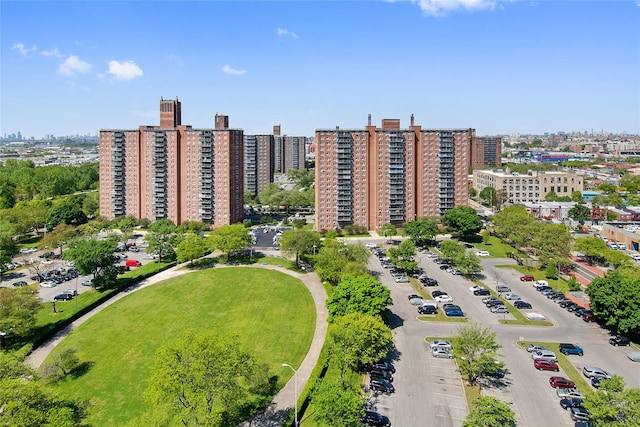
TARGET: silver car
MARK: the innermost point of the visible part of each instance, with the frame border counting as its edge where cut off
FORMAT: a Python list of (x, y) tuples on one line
[(544, 354), (440, 344), (441, 352), (592, 371)]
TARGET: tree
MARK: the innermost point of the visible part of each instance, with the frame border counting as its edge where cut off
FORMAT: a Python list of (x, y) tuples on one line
[(605, 187), (403, 255), (337, 405), (468, 263), (162, 239), (95, 257), (299, 242), (206, 379), (477, 349), (487, 194), (552, 241), (61, 364), (59, 236), (490, 412), (12, 364), (388, 230), (473, 192), (337, 258), (65, 213), (616, 298), (577, 197), (451, 249), (18, 309), (551, 272), (126, 225), (190, 248), (551, 197), (464, 220), (230, 239), (591, 247), (421, 231), (357, 340), (358, 294), (613, 405), (580, 213)]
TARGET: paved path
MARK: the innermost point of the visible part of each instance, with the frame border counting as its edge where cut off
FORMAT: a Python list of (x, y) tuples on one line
[(283, 402)]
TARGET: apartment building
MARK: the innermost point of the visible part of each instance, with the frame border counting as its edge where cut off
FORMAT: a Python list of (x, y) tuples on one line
[(486, 151), (374, 176), (532, 187), (289, 151), (173, 171), (259, 162)]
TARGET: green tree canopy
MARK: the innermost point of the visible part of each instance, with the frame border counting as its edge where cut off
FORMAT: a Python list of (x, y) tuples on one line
[(337, 404), (299, 242), (388, 230), (464, 220), (191, 247), (207, 380), (616, 298), (358, 294), (230, 238), (65, 213), (162, 238), (404, 255), (576, 196), (337, 258), (477, 349), (612, 405), (95, 257), (357, 340), (421, 231), (490, 412), (580, 213), (18, 309)]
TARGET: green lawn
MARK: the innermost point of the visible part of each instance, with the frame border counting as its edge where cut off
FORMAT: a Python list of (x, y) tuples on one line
[(494, 246), (272, 313)]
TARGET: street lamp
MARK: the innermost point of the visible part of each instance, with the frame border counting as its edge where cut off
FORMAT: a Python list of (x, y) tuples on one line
[(314, 250), (295, 391), (2, 336)]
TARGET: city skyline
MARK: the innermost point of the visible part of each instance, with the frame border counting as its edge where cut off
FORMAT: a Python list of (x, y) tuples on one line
[(500, 67)]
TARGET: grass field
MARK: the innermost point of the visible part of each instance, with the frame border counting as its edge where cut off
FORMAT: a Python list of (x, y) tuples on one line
[(272, 313)]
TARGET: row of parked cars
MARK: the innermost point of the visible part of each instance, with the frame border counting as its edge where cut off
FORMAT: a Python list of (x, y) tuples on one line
[(380, 380), (543, 287), (55, 277)]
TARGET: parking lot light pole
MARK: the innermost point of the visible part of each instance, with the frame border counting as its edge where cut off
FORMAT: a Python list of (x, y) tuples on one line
[(295, 391)]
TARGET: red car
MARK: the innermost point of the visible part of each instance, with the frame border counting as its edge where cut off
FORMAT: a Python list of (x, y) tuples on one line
[(561, 382), (589, 317), (545, 365), (527, 278)]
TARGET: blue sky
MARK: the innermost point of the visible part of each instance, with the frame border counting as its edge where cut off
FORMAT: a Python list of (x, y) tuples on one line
[(500, 67)]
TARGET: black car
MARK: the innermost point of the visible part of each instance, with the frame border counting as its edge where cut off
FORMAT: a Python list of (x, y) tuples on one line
[(429, 282), (374, 419), (619, 340), (482, 292), (570, 402), (383, 364), (381, 385), (444, 266), (427, 309), (450, 306), (521, 304), (493, 303), (572, 307), (20, 283), (381, 374), (581, 311), (566, 303), (63, 297), (437, 293)]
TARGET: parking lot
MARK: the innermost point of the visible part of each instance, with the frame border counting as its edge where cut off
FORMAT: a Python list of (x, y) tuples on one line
[(424, 391)]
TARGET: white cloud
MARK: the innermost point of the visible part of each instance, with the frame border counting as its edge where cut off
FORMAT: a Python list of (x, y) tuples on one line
[(281, 32), (73, 65), (126, 70), (175, 59), (22, 50), (441, 7), (231, 71), (55, 53)]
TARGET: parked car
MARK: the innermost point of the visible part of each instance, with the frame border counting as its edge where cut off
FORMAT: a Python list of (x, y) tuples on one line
[(561, 382), (20, 283), (546, 365), (445, 266), (437, 293), (578, 413), (429, 282), (428, 309), (87, 282), (482, 253), (592, 371), (566, 303), (511, 296), (570, 402), (450, 306), (383, 364), (595, 381), (381, 374), (490, 298), (444, 298), (481, 292), (535, 347), (440, 344), (381, 385), (569, 392), (133, 263), (374, 419), (493, 303), (634, 356), (566, 348), (503, 288), (619, 340), (413, 296), (527, 278), (441, 353), (402, 279), (544, 354), (521, 304), (589, 317), (48, 284), (63, 297), (454, 313), (499, 309)]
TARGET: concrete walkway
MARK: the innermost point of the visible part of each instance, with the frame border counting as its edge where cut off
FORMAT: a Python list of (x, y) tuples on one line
[(283, 402)]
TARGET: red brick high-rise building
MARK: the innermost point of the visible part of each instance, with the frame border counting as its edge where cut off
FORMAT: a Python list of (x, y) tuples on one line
[(373, 176), (173, 171)]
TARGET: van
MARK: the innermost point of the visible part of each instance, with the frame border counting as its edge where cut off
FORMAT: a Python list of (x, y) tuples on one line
[(133, 263), (539, 283)]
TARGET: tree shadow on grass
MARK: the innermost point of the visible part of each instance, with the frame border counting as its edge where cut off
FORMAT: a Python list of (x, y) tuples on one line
[(81, 369)]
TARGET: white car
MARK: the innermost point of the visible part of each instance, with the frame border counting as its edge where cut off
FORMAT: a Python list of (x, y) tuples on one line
[(402, 279), (444, 298), (569, 392), (544, 354), (475, 288), (482, 253), (48, 284), (511, 296), (87, 282), (441, 343)]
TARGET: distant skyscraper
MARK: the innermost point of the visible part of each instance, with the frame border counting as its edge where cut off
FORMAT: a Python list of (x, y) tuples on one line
[(173, 171), (374, 176), (289, 151), (258, 162), (486, 150)]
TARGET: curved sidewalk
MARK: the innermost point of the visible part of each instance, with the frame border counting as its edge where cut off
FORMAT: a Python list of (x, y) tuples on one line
[(283, 402)]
